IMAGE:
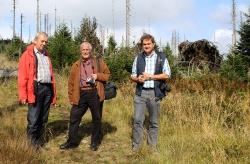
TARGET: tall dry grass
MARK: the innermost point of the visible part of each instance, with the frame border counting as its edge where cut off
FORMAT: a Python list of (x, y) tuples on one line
[(203, 120), (14, 147), (6, 63)]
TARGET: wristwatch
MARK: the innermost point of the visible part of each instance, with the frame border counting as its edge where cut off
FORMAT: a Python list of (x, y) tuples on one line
[(150, 77)]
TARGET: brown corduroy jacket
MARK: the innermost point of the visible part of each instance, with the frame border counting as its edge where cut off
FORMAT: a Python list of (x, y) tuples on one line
[(74, 80)]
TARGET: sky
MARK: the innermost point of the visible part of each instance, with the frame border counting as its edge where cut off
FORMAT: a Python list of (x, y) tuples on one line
[(191, 19)]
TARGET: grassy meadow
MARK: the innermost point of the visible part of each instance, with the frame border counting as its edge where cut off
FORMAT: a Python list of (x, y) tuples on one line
[(202, 120)]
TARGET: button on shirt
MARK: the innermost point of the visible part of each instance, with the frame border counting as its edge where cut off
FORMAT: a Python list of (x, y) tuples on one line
[(43, 70), (150, 68), (85, 72)]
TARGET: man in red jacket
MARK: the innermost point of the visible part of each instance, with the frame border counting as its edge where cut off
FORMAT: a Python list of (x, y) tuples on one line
[(36, 87)]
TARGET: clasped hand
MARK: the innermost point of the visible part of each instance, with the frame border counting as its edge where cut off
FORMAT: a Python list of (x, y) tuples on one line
[(142, 78)]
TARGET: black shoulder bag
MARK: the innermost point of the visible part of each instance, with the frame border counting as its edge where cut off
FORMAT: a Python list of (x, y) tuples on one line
[(109, 87)]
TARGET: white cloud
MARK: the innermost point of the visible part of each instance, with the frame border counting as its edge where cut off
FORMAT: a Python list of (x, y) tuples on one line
[(223, 39), (159, 10), (6, 32), (3, 8), (74, 10), (243, 8), (222, 14), (159, 17), (223, 33)]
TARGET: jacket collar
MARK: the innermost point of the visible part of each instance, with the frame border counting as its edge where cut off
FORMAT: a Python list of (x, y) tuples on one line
[(30, 49), (93, 62)]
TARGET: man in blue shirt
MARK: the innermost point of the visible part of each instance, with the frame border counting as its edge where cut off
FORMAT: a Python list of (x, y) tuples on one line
[(150, 71)]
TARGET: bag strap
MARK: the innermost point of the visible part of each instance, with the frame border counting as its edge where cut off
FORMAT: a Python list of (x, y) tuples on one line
[(98, 63)]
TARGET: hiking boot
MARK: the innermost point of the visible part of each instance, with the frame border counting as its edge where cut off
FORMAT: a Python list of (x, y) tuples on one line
[(67, 145)]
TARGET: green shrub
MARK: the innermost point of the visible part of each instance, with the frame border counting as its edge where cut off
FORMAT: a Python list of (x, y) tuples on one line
[(62, 48), (169, 54), (15, 49), (234, 68), (120, 64)]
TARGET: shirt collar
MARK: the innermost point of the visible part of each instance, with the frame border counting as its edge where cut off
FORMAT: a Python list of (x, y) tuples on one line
[(86, 61), (37, 52), (151, 55)]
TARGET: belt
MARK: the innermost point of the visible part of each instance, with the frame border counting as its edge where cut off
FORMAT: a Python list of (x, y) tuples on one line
[(147, 88), (45, 84), (88, 88)]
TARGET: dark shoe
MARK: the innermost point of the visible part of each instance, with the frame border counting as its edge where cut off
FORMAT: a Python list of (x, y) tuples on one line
[(36, 145), (40, 143), (67, 145), (94, 146)]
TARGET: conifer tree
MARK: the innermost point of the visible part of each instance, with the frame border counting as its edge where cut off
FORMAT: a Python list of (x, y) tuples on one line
[(111, 46), (87, 33), (243, 46), (62, 47)]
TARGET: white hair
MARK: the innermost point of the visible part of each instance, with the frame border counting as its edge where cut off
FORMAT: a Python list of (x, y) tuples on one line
[(87, 43), (39, 34)]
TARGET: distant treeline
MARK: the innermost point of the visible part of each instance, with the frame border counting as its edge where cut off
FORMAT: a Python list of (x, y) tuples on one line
[(5, 41), (64, 50)]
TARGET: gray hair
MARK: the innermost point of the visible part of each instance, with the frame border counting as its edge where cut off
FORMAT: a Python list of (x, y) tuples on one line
[(86, 43), (39, 34)]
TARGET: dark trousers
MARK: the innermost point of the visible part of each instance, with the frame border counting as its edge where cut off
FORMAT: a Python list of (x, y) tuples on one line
[(38, 114), (88, 99), (101, 108)]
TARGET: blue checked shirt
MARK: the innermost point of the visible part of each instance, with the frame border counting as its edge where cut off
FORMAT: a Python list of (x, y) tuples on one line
[(43, 71), (150, 68)]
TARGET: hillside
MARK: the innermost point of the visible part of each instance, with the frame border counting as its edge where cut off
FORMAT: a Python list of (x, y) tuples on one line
[(205, 120)]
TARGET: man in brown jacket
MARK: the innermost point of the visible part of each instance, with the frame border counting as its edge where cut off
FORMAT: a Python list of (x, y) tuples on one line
[(86, 90)]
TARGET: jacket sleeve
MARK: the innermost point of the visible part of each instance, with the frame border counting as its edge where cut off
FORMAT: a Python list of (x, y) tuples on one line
[(71, 83), (23, 78), (104, 74)]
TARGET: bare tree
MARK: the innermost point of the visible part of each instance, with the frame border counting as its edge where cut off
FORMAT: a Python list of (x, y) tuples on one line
[(55, 20), (37, 16), (21, 26), (14, 18), (234, 23), (128, 7)]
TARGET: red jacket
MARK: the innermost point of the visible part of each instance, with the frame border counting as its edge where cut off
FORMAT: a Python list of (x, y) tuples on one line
[(27, 75)]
